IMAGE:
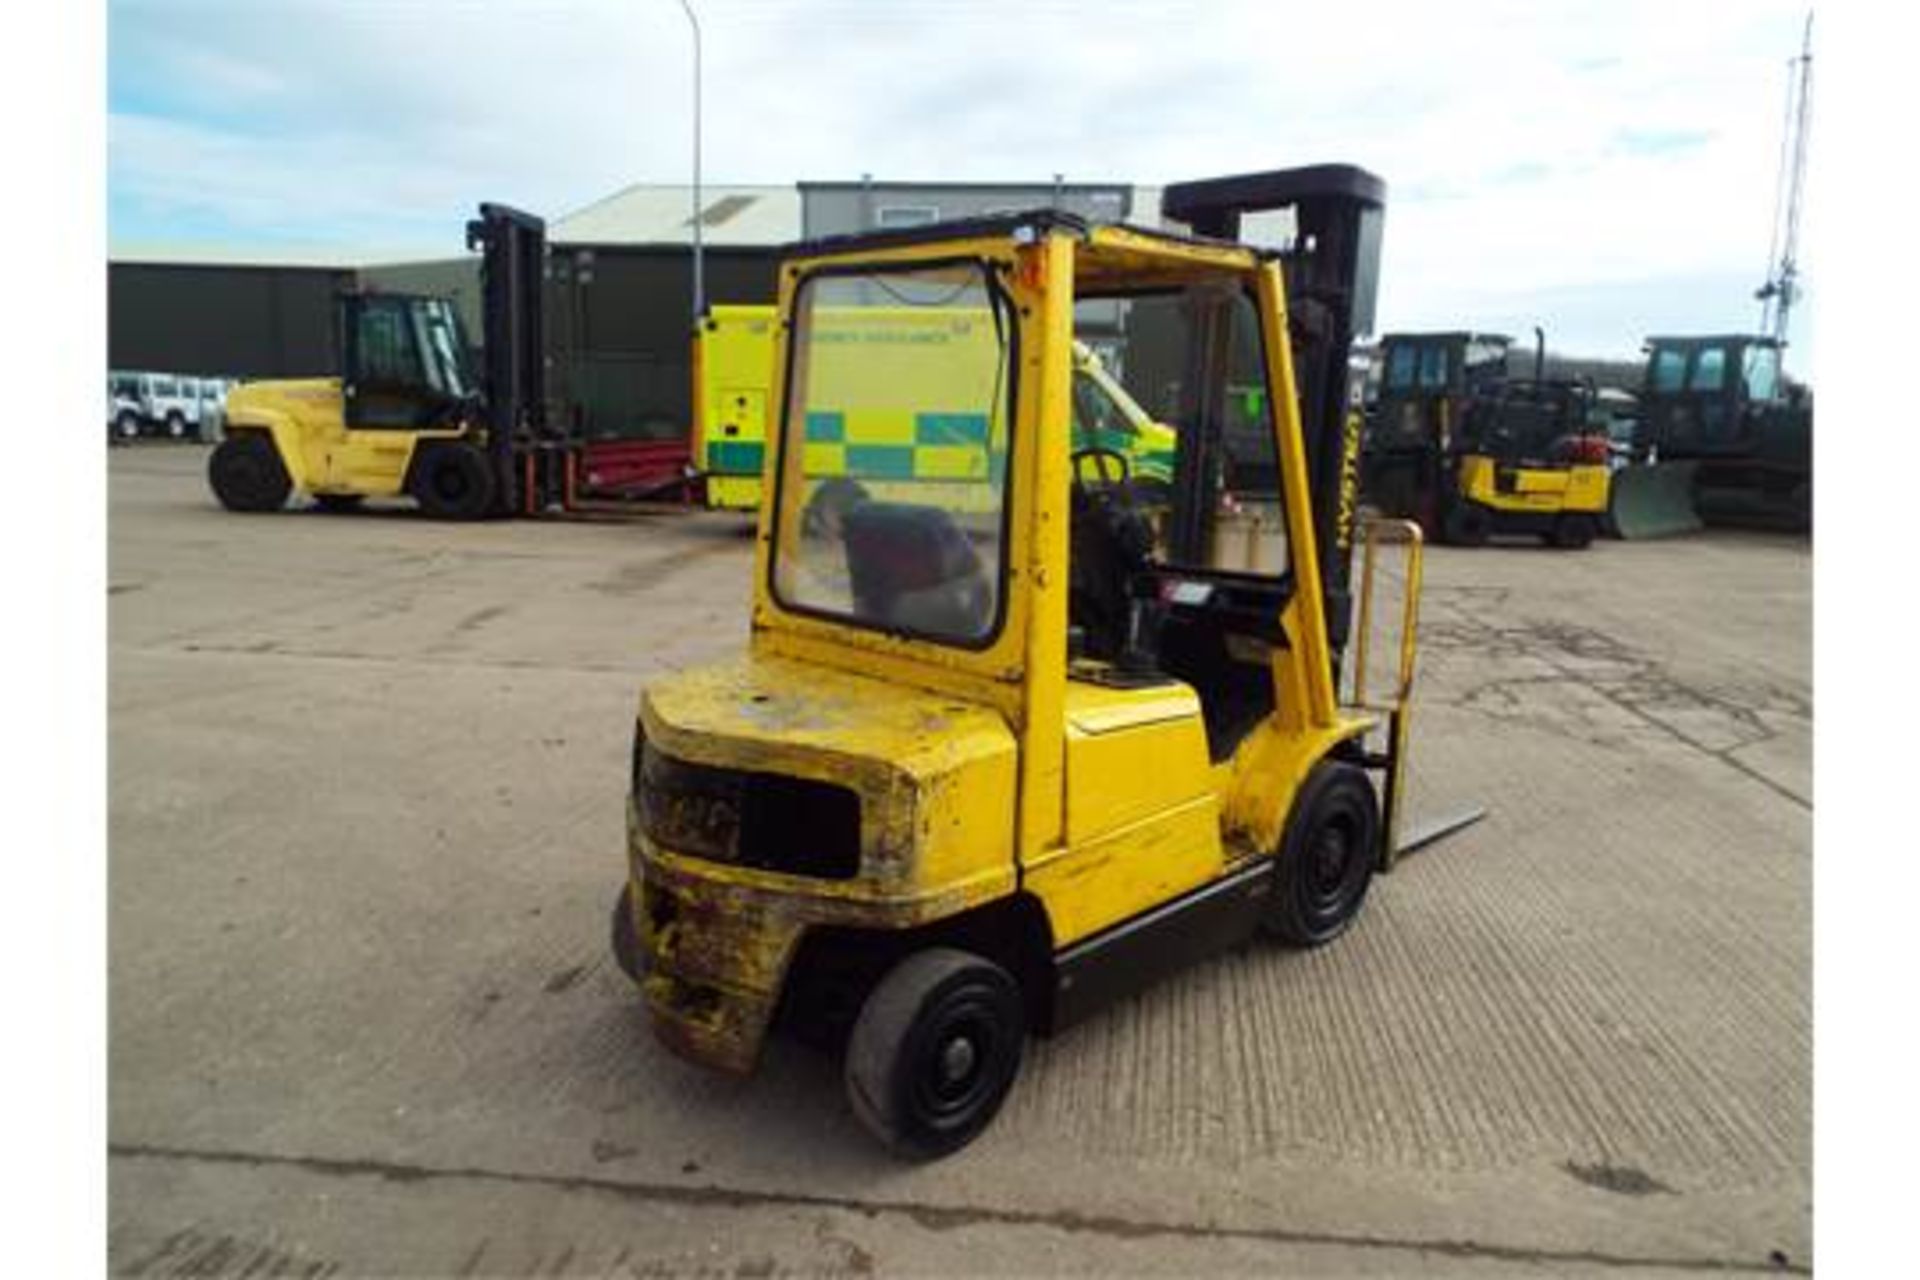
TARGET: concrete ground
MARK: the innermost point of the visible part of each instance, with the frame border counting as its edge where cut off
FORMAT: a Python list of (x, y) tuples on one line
[(366, 790)]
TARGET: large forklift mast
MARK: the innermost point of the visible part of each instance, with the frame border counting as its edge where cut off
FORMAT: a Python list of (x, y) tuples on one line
[(1332, 266), (513, 249)]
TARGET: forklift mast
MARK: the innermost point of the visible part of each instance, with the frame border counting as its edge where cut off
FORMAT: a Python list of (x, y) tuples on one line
[(512, 278), (1332, 267)]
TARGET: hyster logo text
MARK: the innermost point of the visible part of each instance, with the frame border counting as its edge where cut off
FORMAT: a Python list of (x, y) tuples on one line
[(1349, 481)]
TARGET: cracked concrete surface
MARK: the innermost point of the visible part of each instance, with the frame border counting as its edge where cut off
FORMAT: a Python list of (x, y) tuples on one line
[(366, 787)]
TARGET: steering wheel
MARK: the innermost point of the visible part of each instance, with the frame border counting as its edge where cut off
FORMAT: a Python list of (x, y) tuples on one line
[(1100, 456)]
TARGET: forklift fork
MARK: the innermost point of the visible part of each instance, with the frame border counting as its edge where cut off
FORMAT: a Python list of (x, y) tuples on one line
[(1397, 705)]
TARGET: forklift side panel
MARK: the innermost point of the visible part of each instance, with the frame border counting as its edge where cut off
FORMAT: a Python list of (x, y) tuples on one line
[(1090, 886), (1132, 955)]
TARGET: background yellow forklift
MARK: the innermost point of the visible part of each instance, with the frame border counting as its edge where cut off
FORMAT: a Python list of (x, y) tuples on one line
[(1456, 444), (410, 414), (993, 759)]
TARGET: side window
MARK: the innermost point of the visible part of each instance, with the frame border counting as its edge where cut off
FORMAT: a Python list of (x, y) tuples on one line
[(1669, 369), (1709, 370), (1762, 372), (387, 352)]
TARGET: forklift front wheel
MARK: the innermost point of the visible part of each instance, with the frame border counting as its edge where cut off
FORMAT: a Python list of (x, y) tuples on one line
[(934, 1052), (454, 482), (1327, 856), (1467, 525), (1572, 532)]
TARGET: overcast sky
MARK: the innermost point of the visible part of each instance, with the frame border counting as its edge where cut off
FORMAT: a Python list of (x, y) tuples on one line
[(1603, 167)]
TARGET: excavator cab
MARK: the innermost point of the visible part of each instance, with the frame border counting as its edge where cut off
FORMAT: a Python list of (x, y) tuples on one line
[(1723, 435), (1021, 728)]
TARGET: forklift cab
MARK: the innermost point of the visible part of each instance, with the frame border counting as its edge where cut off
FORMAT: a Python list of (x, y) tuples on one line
[(1427, 385), (1016, 733), (1427, 379), (404, 362)]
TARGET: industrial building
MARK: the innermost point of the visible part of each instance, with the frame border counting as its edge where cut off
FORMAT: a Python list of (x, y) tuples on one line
[(619, 297)]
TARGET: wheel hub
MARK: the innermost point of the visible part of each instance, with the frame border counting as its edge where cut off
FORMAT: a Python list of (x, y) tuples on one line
[(1330, 854), (957, 1059)]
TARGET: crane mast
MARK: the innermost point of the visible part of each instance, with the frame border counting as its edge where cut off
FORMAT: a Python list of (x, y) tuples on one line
[(1782, 288)]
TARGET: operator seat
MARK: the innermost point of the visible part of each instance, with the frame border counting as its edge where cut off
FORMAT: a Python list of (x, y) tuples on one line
[(913, 568)]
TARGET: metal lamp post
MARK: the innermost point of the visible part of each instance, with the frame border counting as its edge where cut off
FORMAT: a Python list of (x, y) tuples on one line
[(699, 264)]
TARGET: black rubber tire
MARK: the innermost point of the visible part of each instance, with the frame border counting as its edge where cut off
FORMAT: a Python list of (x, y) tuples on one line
[(625, 940), (454, 482), (1327, 856), (828, 507), (176, 426), (1572, 532), (127, 425), (935, 1051), (247, 475), (338, 502), (1467, 524)]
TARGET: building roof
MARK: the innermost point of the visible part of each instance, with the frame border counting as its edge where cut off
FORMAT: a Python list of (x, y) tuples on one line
[(315, 257), (656, 213)]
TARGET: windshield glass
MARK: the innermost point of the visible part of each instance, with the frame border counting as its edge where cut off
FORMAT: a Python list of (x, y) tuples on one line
[(892, 488), (1400, 366), (1669, 369), (1709, 369), (1241, 528), (1433, 369)]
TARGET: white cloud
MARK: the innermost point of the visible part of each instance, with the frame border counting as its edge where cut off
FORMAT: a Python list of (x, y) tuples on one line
[(1530, 149)]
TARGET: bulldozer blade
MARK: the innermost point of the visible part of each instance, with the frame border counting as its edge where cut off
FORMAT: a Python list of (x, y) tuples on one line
[(1654, 501), (1436, 831)]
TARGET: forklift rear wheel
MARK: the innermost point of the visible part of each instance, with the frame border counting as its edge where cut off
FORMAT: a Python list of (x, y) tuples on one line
[(934, 1052), (454, 483), (1327, 856), (1467, 525), (338, 501), (247, 475), (626, 941), (1572, 532)]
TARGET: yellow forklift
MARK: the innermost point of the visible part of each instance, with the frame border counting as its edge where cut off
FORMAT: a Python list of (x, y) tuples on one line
[(412, 414), (1471, 453), (1003, 749)]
